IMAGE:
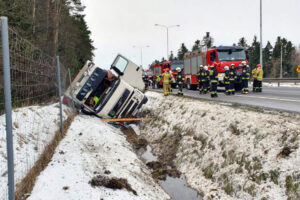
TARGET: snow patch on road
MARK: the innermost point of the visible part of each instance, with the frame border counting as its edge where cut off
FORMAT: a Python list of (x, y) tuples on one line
[(92, 148), (228, 152)]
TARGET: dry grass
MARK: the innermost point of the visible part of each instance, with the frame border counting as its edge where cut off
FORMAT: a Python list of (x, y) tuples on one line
[(27, 184)]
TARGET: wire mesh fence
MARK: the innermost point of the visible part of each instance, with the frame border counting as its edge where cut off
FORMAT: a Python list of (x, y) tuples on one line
[(35, 113)]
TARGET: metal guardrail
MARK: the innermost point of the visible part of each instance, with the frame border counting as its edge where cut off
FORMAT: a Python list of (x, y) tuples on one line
[(282, 80)]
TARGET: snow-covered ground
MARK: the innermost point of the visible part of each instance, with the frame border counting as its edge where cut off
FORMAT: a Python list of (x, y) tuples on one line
[(281, 84), (225, 151), (33, 128), (92, 148)]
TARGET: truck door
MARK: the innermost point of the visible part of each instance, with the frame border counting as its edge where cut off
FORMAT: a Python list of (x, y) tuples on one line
[(129, 72)]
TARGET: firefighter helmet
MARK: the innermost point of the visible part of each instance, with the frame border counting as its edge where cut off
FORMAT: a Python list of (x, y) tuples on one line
[(258, 65), (205, 67), (232, 64), (244, 63), (226, 68), (178, 69), (201, 66)]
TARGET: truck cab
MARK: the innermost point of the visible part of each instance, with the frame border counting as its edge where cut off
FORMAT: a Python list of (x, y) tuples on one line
[(114, 93), (225, 56)]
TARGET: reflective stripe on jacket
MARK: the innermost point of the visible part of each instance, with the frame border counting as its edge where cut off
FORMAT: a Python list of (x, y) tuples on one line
[(258, 73), (180, 78), (202, 76), (166, 77), (245, 73), (232, 75), (213, 75)]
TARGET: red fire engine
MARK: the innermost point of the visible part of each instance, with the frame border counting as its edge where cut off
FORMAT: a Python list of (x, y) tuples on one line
[(158, 69), (222, 56)]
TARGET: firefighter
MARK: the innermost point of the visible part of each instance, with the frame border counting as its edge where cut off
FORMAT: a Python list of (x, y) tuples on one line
[(245, 77), (213, 76), (232, 78), (166, 77), (172, 81), (206, 83), (202, 78), (153, 82), (180, 81), (226, 81), (257, 74), (158, 79)]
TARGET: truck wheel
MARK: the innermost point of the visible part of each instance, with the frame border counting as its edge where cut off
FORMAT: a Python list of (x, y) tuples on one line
[(188, 84)]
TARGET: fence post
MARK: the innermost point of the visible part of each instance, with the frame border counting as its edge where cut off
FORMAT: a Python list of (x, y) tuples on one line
[(59, 96), (71, 88), (8, 117)]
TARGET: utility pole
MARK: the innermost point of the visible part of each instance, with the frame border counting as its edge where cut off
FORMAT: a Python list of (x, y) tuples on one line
[(261, 42), (167, 29), (281, 62), (141, 49)]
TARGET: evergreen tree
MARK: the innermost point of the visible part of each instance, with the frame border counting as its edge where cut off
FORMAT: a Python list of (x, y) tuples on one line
[(171, 57), (182, 51), (288, 51), (196, 45), (208, 40), (267, 59), (242, 42), (56, 27), (254, 53)]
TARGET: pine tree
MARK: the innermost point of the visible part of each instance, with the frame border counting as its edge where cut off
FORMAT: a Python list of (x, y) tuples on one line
[(171, 57), (242, 42), (196, 45), (182, 51), (267, 59), (254, 53), (208, 40), (288, 51)]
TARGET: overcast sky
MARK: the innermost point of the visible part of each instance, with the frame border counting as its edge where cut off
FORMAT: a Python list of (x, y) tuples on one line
[(118, 25)]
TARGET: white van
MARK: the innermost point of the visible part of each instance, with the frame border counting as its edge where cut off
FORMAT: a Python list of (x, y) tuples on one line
[(115, 93)]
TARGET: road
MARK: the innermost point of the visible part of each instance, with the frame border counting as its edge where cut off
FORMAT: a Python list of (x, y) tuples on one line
[(279, 98)]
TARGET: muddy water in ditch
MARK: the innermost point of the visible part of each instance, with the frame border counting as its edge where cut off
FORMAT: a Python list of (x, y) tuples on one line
[(177, 188)]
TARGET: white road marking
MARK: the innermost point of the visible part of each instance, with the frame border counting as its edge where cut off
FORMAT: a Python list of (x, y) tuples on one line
[(270, 98)]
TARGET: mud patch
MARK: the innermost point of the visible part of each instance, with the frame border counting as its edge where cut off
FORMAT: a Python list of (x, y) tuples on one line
[(112, 183), (160, 171), (137, 141)]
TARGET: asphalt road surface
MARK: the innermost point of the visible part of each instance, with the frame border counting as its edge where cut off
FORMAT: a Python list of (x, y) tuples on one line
[(279, 98)]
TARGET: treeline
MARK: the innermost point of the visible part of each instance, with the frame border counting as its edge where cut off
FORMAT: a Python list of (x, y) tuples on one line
[(271, 54), (57, 27)]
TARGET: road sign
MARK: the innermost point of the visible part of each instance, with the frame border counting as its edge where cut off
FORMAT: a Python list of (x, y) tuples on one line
[(298, 69)]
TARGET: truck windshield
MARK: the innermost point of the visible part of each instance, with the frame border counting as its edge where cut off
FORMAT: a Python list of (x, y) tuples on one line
[(231, 54)]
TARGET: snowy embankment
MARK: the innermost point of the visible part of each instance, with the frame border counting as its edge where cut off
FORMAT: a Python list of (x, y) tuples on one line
[(226, 151), (265, 84), (33, 128), (93, 155)]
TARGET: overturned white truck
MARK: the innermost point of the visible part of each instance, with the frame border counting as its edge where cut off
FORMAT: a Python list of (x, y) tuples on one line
[(115, 93)]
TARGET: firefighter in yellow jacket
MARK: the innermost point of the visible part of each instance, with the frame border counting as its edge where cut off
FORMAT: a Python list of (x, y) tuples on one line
[(166, 78), (257, 75)]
